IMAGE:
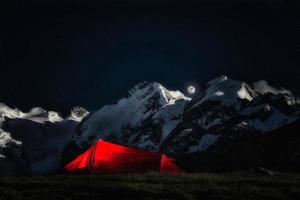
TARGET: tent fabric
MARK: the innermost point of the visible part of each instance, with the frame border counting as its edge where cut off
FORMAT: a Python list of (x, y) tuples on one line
[(169, 165), (81, 162), (106, 157)]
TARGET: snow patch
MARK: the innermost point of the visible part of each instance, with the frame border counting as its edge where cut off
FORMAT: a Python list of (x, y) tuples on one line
[(263, 87), (244, 94), (36, 114), (5, 139), (78, 113), (226, 91)]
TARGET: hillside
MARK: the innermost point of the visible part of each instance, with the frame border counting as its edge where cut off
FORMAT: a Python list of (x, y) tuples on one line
[(230, 186)]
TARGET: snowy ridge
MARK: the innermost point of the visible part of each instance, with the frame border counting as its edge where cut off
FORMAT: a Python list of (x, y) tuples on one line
[(39, 115), (151, 117), (145, 100), (42, 136), (230, 108), (36, 114), (227, 91), (166, 97)]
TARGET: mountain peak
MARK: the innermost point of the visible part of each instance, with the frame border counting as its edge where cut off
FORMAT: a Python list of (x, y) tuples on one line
[(145, 89), (78, 113), (218, 80), (227, 91), (145, 100)]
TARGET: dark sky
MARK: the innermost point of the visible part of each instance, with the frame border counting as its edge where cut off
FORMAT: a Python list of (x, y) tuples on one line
[(59, 54)]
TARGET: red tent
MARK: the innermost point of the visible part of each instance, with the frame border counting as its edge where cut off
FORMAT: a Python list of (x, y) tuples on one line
[(106, 157)]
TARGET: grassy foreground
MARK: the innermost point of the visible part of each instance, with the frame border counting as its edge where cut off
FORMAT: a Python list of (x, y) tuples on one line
[(241, 185)]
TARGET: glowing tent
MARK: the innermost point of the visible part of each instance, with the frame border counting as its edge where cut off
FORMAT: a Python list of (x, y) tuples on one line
[(106, 157)]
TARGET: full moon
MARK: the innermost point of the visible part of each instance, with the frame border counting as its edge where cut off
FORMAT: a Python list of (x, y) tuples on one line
[(191, 89)]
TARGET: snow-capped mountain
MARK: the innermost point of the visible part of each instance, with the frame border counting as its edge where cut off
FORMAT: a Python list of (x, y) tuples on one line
[(143, 119), (156, 119), (32, 142), (224, 113), (229, 108)]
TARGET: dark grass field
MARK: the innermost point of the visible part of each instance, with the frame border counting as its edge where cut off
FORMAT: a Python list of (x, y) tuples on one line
[(239, 185)]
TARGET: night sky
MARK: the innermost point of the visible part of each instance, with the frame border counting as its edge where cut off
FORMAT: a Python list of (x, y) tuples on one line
[(60, 54)]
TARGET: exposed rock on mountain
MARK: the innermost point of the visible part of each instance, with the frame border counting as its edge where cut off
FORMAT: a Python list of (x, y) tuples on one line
[(156, 119), (143, 119), (225, 116), (229, 108)]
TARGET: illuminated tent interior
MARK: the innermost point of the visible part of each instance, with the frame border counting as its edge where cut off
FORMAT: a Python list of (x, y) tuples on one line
[(106, 157)]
